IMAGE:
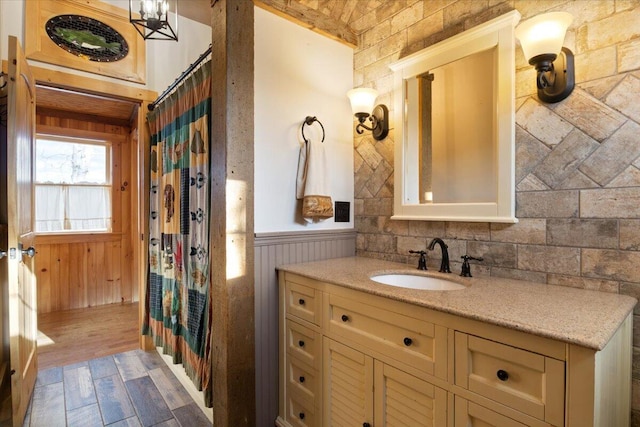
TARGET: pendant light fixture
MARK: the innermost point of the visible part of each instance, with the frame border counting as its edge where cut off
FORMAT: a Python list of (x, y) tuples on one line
[(152, 18)]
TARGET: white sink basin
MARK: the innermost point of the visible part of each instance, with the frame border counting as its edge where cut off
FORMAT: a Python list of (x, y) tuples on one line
[(412, 281)]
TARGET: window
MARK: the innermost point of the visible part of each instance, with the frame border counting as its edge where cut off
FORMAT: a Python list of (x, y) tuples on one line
[(72, 185)]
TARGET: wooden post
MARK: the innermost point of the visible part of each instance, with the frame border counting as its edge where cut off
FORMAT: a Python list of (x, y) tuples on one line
[(232, 252)]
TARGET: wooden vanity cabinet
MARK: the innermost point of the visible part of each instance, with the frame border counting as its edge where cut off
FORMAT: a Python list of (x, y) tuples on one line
[(350, 358), (360, 390)]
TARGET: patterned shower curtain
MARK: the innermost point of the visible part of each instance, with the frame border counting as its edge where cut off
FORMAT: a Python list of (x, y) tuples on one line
[(178, 297)]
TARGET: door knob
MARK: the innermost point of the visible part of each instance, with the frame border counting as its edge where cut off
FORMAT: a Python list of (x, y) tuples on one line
[(30, 252)]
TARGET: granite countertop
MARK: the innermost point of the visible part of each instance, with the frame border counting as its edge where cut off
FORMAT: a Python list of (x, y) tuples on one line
[(577, 316)]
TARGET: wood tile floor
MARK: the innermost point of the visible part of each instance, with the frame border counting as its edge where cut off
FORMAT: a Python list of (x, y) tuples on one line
[(81, 382), (128, 389)]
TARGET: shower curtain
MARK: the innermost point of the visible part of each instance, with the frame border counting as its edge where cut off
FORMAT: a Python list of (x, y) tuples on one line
[(178, 298)]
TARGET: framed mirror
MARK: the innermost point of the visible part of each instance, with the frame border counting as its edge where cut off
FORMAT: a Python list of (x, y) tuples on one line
[(454, 112)]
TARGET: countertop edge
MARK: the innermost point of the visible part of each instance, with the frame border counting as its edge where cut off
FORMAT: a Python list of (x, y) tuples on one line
[(626, 305)]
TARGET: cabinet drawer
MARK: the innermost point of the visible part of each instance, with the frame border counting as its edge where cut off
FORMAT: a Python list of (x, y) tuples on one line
[(470, 414), (301, 413), (418, 343), (302, 380), (304, 344), (526, 381), (303, 302)]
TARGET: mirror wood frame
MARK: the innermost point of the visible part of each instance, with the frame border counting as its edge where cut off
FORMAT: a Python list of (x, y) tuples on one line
[(498, 32)]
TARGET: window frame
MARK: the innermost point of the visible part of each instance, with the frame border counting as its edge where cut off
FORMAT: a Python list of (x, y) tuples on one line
[(115, 142)]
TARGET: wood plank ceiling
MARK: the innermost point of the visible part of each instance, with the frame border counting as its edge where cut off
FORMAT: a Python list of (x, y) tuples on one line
[(56, 102)]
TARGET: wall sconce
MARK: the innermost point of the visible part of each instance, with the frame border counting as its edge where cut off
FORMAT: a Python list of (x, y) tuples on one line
[(541, 38), (154, 19), (362, 101)]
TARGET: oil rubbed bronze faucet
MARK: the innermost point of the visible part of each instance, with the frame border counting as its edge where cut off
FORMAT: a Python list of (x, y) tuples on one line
[(466, 267), (444, 265), (422, 262)]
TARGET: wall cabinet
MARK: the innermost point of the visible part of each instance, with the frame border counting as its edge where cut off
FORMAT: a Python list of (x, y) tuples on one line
[(350, 358)]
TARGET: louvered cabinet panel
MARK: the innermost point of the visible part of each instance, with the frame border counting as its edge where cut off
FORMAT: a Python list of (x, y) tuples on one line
[(348, 386), (404, 400)]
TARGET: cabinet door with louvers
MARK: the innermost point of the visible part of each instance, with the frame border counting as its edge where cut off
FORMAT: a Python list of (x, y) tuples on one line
[(348, 386), (403, 400), (355, 384)]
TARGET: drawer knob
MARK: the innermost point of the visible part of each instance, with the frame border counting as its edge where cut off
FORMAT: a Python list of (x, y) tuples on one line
[(366, 425), (301, 415), (301, 301), (345, 318), (502, 375), (408, 341), (301, 343), (301, 379)]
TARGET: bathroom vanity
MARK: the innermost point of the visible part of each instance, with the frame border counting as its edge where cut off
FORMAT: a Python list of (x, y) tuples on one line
[(499, 352)]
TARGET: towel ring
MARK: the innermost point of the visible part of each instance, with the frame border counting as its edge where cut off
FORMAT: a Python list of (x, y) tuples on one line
[(309, 121)]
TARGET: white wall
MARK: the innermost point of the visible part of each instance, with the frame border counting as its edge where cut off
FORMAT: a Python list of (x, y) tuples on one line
[(298, 73), (166, 60)]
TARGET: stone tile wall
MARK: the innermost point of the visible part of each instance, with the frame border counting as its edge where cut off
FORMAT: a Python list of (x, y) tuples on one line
[(577, 162)]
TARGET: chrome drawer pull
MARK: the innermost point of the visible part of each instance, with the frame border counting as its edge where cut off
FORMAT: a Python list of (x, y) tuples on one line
[(502, 375), (408, 341)]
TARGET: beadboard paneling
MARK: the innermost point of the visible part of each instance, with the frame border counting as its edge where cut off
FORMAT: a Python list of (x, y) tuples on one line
[(272, 250)]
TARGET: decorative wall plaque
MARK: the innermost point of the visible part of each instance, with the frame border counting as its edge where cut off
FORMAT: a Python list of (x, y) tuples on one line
[(86, 35)]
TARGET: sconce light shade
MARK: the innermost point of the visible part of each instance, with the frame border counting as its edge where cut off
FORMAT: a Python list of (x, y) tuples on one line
[(362, 104), (154, 21), (543, 34), (541, 38), (362, 100)]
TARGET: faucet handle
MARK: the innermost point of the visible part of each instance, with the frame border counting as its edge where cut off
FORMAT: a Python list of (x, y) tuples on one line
[(466, 267), (422, 262)]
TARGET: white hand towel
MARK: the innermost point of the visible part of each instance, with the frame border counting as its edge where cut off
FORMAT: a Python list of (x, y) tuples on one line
[(312, 182)]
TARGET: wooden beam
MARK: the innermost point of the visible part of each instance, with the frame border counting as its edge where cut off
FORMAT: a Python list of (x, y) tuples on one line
[(311, 19), (61, 79), (78, 83)]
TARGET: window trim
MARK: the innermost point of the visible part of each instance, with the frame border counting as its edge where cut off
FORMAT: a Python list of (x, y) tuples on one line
[(117, 143)]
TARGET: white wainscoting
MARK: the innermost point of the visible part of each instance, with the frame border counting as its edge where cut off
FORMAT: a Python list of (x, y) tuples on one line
[(272, 250)]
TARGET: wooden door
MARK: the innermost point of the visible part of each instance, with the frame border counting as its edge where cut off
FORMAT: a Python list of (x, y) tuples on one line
[(19, 310)]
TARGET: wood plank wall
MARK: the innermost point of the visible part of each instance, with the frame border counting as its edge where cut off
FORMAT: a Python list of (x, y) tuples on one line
[(272, 250), (86, 270)]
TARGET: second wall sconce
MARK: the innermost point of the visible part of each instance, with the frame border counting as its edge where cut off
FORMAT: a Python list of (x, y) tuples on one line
[(362, 105), (541, 38)]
